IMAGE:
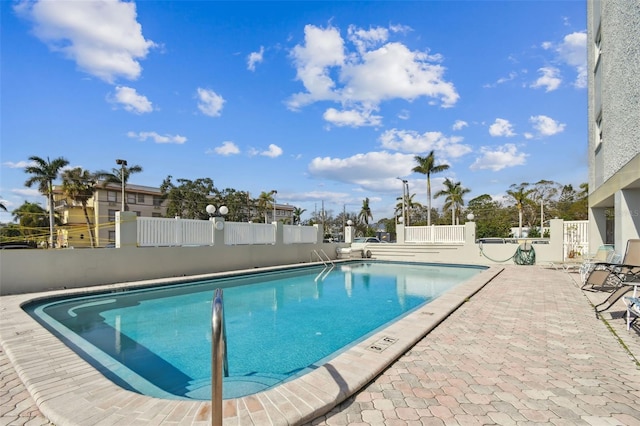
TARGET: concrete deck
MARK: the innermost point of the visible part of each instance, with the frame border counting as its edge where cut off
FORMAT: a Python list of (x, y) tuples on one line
[(525, 349)]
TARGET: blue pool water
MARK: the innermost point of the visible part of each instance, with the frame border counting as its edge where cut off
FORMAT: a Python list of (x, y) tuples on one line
[(157, 341)]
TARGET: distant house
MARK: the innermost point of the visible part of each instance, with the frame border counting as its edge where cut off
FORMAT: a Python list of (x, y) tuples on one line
[(613, 68), (102, 207)]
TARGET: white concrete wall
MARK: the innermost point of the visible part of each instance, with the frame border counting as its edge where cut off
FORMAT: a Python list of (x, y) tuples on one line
[(27, 271)]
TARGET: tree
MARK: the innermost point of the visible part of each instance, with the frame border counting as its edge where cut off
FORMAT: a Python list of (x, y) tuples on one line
[(297, 214), (238, 202), (80, 185), (520, 194), (2, 206), (44, 172), (117, 176), (426, 166), (188, 199), (365, 212), (265, 203), (454, 193), (545, 192), (32, 219), (492, 220)]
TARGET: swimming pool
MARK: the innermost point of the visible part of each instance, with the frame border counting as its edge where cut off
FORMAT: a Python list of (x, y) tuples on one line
[(156, 341)]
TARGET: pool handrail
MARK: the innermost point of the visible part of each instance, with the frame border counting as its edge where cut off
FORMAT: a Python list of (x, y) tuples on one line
[(219, 363)]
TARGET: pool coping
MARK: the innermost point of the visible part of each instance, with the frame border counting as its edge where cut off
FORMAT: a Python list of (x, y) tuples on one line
[(69, 391)]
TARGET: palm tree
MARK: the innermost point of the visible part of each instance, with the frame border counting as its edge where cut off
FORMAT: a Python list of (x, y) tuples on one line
[(44, 173), (2, 206), (265, 202), (80, 185), (297, 213), (409, 205), (32, 219), (117, 176), (426, 166), (365, 213), (520, 195), (454, 193)]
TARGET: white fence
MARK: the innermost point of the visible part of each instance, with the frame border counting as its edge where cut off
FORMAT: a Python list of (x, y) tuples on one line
[(576, 238), (435, 234), (296, 234), (164, 232), (156, 231), (238, 233)]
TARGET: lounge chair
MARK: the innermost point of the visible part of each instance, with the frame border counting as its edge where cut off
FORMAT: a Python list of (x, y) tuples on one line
[(607, 276), (633, 308), (604, 254)]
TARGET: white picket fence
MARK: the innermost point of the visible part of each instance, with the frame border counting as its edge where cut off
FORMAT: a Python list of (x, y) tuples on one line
[(167, 232), (434, 234)]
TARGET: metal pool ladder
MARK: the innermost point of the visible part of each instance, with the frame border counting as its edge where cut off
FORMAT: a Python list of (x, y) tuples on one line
[(219, 364), (328, 260)]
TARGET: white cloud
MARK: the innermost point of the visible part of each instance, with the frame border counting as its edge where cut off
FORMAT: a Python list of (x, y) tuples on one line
[(273, 151), (404, 114), (512, 75), (370, 73), (352, 118), (18, 165), (550, 79), (210, 103), (157, 138), (255, 58), (459, 125), (131, 101), (25, 192), (103, 37), (227, 148), (499, 158), (413, 142), (501, 127), (546, 126), (573, 51), (362, 169), (367, 39)]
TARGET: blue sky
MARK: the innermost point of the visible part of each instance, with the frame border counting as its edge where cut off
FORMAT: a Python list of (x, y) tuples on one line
[(321, 101)]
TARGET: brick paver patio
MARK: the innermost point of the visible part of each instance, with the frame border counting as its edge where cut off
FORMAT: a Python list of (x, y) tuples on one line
[(527, 349)]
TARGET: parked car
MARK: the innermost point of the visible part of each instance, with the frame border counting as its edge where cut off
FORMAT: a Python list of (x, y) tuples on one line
[(366, 240)]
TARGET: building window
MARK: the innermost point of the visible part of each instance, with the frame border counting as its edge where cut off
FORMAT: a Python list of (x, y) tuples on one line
[(112, 196), (131, 198), (112, 215), (599, 132), (137, 214), (157, 201), (156, 214), (140, 198), (598, 47), (112, 236)]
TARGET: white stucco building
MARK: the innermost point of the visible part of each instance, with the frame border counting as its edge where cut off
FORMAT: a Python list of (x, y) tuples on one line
[(613, 61)]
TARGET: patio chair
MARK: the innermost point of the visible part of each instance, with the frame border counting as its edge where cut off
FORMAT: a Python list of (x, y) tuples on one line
[(604, 254), (612, 299), (633, 308), (608, 276)]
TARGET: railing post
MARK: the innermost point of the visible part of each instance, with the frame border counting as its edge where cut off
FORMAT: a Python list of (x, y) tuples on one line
[(218, 357)]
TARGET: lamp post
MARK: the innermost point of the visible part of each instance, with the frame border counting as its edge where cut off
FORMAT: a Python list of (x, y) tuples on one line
[(274, 192), (122, 164), (404, 187), (213, 212)]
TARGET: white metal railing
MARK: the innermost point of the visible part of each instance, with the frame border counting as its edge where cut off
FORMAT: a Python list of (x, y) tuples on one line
[(238, 233), (434, 234), (295, 234)]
